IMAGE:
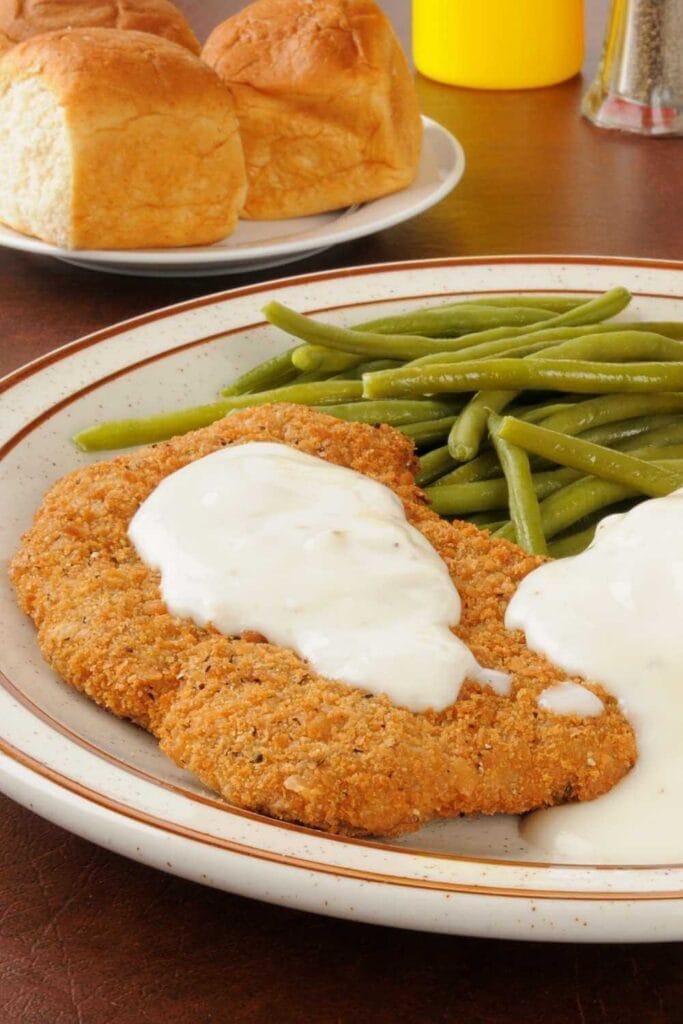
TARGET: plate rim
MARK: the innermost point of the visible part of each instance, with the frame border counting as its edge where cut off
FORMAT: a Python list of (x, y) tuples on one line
[(93, 338), (15, 376)]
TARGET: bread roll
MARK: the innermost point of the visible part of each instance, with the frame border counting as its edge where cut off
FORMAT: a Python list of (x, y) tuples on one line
[(21, 19), (116, 140), (325, 101)]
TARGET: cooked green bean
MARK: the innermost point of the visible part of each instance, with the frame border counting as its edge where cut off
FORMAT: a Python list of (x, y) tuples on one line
[(392, 411), (561, 510), (626, 346), (539, 413), (310, 356), (588, 312), (453, 319), (611, 409), (356, 372), (315, 357), (556, 303), (433, 465), (522, 501), (467, 432), (126, 433), (363, 343), (269, 374), (479, 347), (628, 434), (483, 467), (605, 463), (572, 543), (525, 374), (429, 432), (412, 346), (129, 432), (659, 435), (490, 495)]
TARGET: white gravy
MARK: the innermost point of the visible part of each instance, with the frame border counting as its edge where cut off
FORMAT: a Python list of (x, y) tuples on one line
[(317, 558), (614, 614)]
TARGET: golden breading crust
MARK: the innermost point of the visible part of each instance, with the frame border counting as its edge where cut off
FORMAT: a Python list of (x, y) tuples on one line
[(251, 719)]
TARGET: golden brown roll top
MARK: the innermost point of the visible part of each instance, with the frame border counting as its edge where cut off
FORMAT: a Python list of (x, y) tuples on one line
[(22, 19), (325, 101), (116, 139)]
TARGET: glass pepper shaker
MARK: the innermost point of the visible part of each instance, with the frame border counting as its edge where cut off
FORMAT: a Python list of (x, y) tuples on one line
[(639, 84)]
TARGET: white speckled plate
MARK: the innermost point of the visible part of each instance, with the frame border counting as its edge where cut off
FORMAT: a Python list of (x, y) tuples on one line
[(106, 780), (258, 244)]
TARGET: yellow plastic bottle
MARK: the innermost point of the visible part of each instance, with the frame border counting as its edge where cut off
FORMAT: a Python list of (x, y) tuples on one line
[(498, 44)]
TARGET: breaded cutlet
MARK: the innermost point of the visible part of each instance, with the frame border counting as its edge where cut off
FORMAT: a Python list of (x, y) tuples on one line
[(251, 719)]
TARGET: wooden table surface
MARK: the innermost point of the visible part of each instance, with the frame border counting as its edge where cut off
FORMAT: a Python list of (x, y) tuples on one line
[(89, 937)]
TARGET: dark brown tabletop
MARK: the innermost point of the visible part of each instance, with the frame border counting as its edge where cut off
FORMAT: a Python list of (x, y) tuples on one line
[(89, 937)]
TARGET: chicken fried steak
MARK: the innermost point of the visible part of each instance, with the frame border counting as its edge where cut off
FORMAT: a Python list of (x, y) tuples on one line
[(252, 720)]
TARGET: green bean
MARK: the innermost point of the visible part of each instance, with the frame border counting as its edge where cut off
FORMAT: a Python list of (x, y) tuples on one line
[(457, 318), (433, 465), (477, 346), (629, 433), (572, 543), (483, 467), (588, 311), (609, 409), (467, 432), (315, 357), (586, 496), (486, 465), (588, 457), (393, 412), (627, 346), (126, 433), (561, 510), (525, 374), (411, 346), (269, 374), (489, 495), (556, 303), (129, 432), (429, 432), (523, 503), (369, 345), (356, 372), (539, 413), (515, 347), (309, 357)]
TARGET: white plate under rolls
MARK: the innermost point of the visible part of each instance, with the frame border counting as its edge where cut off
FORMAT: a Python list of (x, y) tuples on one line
[(259, 244), (106, 780)]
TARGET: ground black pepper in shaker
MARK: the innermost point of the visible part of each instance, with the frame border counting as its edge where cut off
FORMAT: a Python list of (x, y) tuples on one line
[(639, 84)]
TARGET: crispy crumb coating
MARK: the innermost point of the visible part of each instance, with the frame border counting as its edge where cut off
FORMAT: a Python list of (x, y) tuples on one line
[(251, 719)]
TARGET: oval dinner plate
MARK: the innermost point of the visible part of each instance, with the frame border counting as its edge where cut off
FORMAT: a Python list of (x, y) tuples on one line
[(259, 244), (106, 780)]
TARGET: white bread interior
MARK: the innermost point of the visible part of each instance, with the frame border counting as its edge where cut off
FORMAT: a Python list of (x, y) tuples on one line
[(33, 138), (21, 19), (113, 139), (326, 103)]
